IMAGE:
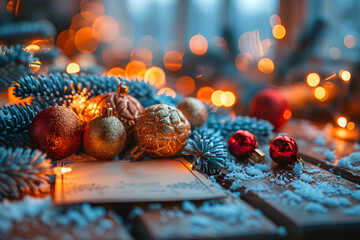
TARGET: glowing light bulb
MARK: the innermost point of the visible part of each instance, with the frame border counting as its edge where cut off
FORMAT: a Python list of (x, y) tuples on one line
[(313, 79)]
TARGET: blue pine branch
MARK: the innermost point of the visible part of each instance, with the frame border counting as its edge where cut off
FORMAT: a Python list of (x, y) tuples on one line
[(208, 148), (22, 170), (14, 63)]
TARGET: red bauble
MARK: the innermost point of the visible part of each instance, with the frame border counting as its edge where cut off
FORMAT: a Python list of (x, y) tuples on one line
[(284, 150), (241, 143), (56, 131), (270, 104)]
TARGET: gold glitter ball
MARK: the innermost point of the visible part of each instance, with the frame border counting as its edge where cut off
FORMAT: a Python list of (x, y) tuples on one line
[(104, 137), (162, 131), (194, 110)]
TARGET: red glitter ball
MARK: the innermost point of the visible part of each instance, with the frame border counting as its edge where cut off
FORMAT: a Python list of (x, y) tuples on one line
[(283, 150), (241, 143), (269, 104)]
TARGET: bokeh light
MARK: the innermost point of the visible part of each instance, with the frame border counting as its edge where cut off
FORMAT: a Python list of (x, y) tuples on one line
[(287, 114), (185, 85), (35, 66), (142, 54), (320, 93), (266, 65), (32, 48), (85, 40), (279, 31), (313, 79), (342, 121), (205, 94), (216, 98), (66, 41), (275, 20), (167, 91), (73, 68), (155, 76), (116, 72), (198, 44), (16, 100), (243, 61), (350, 125), (105, 28), (349, 41), (173, 60), (133, 68), (227, 99), (345, 75)]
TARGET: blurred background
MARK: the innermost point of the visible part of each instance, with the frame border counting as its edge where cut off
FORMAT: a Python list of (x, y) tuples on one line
[(223, 52)]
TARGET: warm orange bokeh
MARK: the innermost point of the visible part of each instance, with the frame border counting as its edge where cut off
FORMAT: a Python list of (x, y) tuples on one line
[(66, 41), (205, 93), (173, 60), (116, 72), (142, 54), (320, 93), (32, 48), (243, 61), (73, 68), (133, 68), (342, 121), (105, 28), (167, 91), (279, 31), (85, 40), (345, 75), (155, 76), (16, 100), (198, 44), (266, 65), (185, 85), (313, 79)]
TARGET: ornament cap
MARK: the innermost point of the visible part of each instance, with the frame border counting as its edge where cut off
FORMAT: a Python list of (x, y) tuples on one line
[(257, 155), (136, 154), (298, 160), (122, 89), (108, 111)]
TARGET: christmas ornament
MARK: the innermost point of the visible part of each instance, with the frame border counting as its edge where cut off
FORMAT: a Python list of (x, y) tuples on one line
[(161, 131), (104, 136), (270, 104), (126, 107), (242, 145), (194, 110), (284, 151), (57, 131)]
